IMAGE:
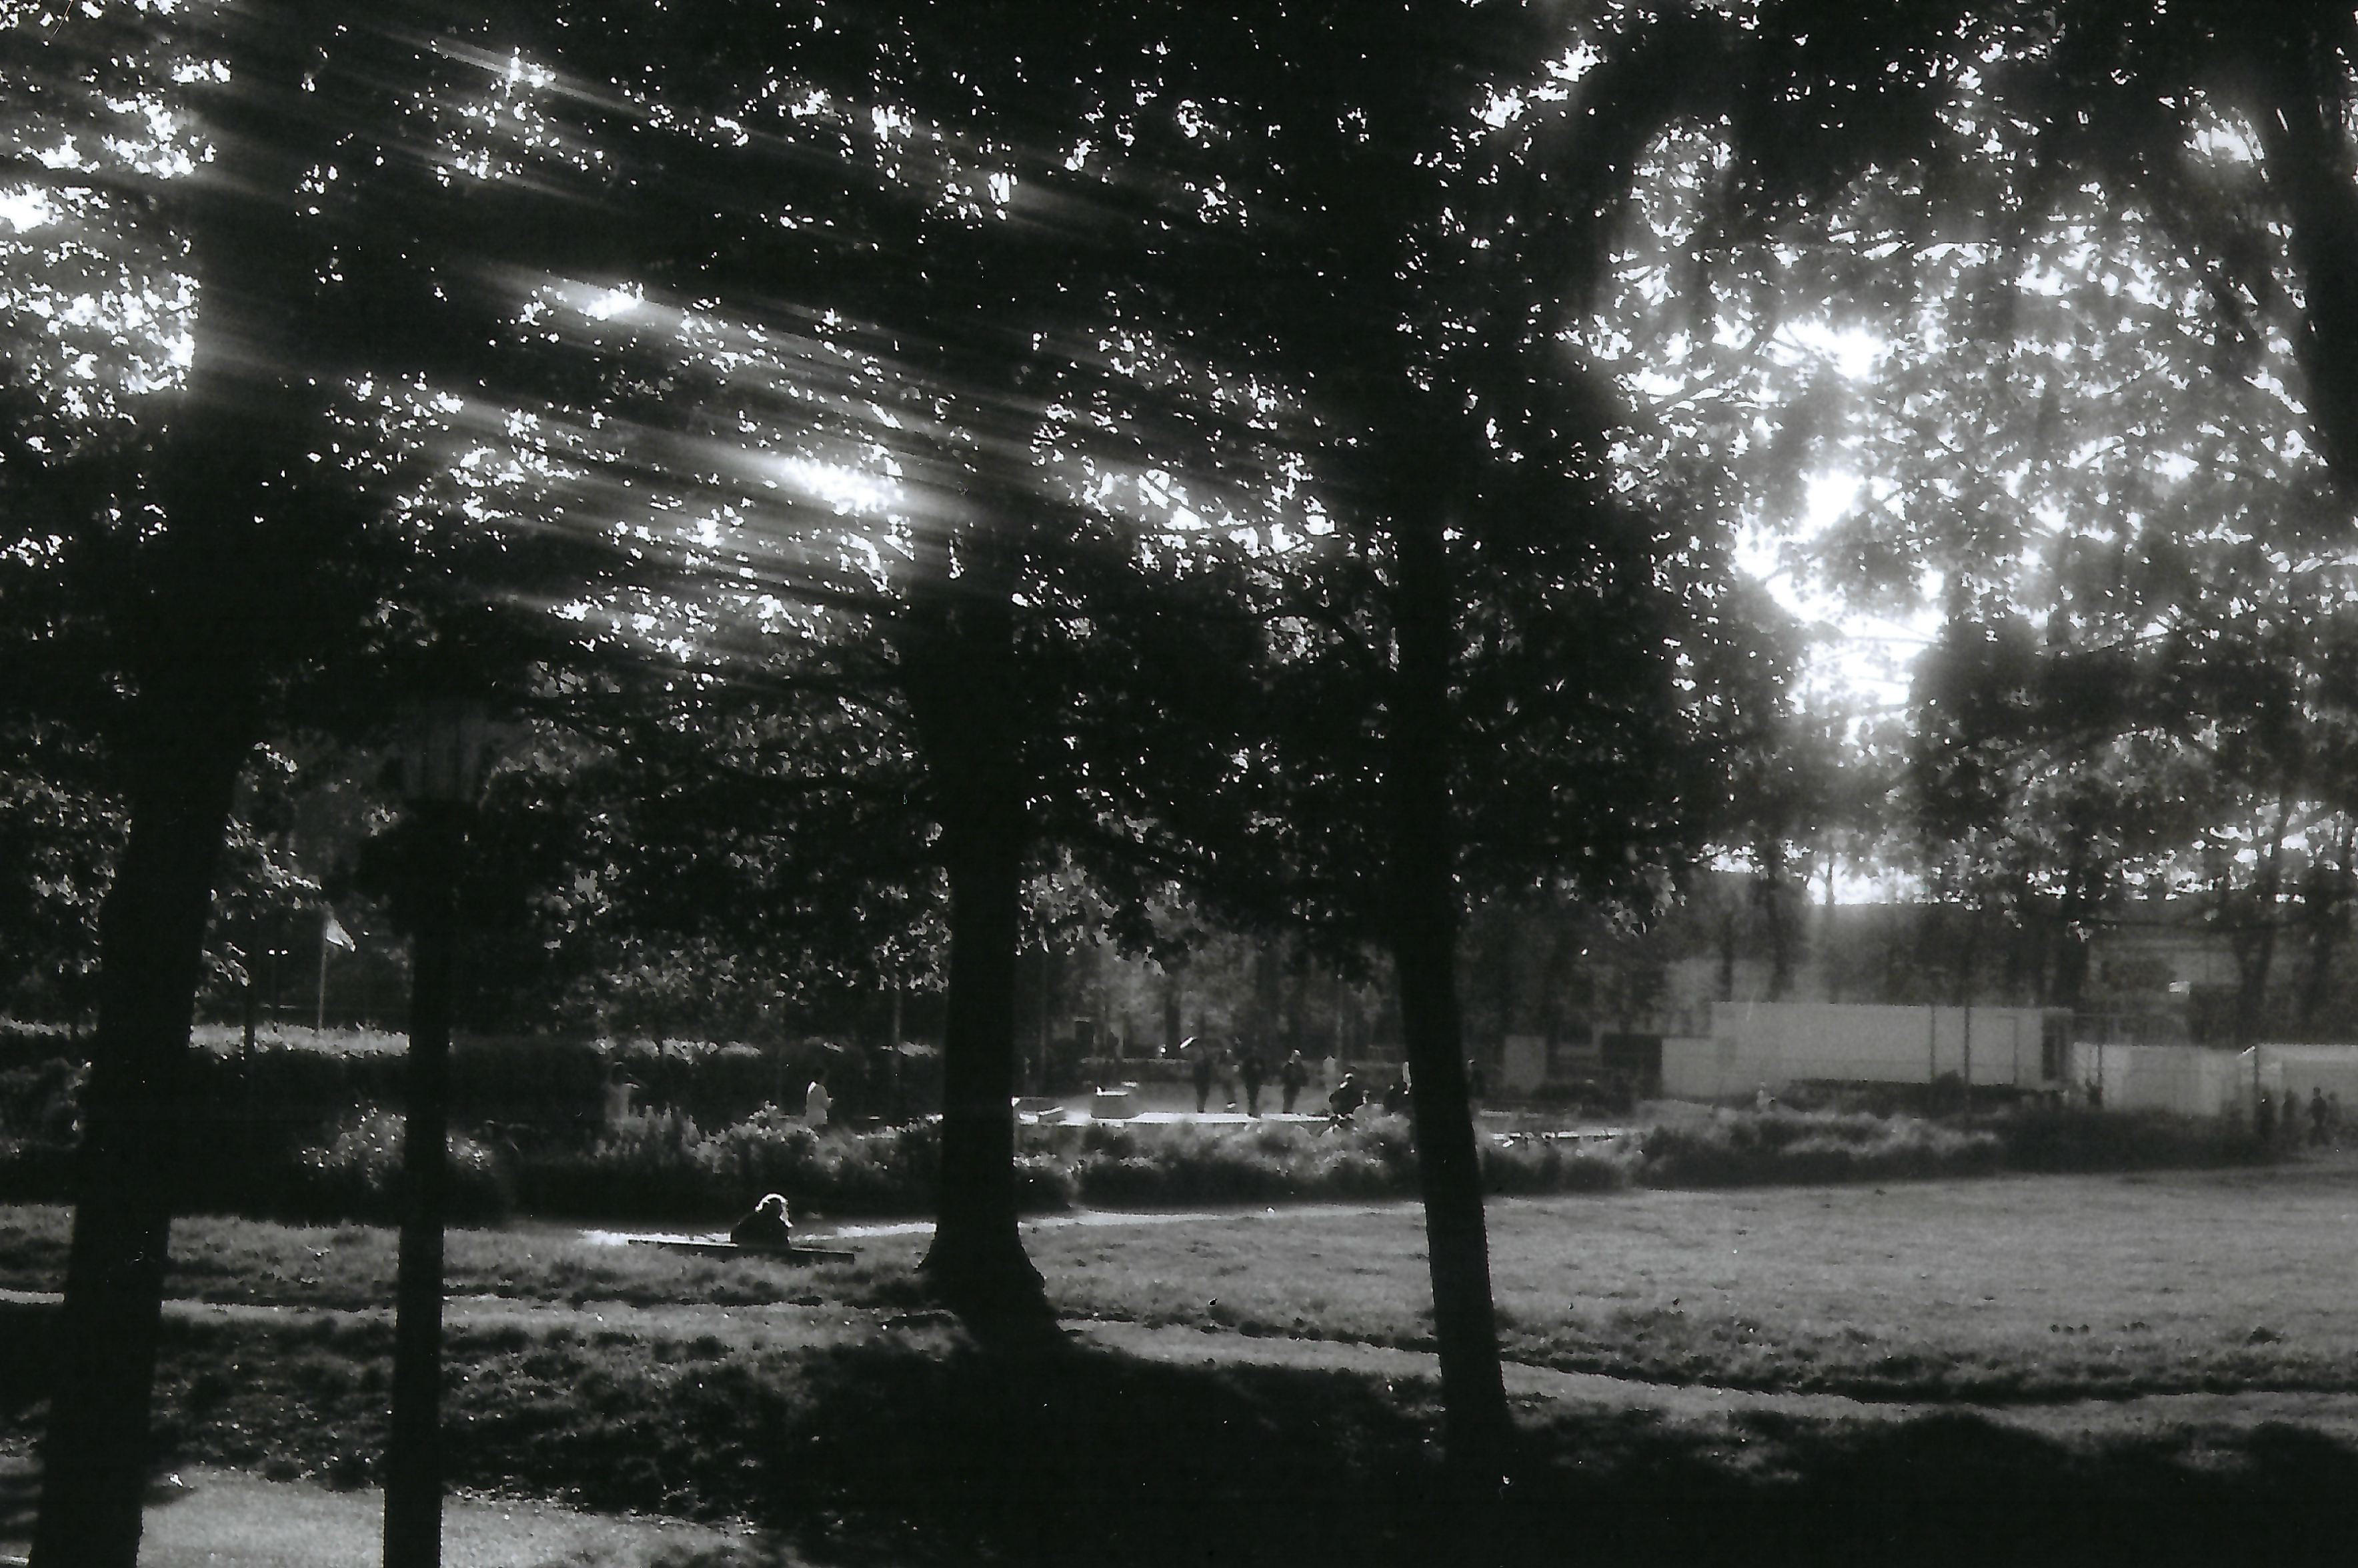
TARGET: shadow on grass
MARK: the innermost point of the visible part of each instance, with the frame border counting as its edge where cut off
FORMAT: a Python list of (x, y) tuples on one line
[(20, 1498), (1092, 1457), (24, 1337), (918, 1448), (877, 1455)]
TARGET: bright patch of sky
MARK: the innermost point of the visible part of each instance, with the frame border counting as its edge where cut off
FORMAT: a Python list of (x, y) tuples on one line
[(1862, 652)]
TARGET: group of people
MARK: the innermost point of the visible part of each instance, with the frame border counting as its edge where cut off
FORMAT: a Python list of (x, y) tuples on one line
[(2324, 1118), (1344, 1101), (1208, 1062), (1212, 1065)]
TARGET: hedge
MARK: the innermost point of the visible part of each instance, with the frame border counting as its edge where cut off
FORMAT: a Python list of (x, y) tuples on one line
[(661, 1168), (551, 1085)]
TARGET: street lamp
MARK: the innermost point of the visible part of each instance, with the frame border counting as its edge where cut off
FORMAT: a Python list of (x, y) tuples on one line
[(445, 750)]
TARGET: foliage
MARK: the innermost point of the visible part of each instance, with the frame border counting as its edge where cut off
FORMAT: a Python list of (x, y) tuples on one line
[(60, 835), (1745, 1148), (1742, 1149), (24, 1044), (358, 1177), (2075, 1138), (42, 1099)]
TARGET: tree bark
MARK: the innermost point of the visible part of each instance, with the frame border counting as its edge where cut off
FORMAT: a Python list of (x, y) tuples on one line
[(2309, 165), (957, 668), (2326, 908), (2256, 947), (1424, 915), (1770, 892), (413, 1481), (151, 943)]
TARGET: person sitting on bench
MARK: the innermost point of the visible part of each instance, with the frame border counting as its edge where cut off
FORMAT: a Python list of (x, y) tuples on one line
[(766, 1227), (1347, 1097)]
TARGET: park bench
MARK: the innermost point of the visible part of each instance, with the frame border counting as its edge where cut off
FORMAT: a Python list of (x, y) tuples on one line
[(797, 1253)]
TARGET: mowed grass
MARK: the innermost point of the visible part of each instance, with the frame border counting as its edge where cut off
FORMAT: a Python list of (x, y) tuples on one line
[(2013, 1289), (818, 1404), (2004, 1289)]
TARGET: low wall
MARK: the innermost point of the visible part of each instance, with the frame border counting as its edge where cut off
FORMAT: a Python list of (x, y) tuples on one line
[(1754, 1045)]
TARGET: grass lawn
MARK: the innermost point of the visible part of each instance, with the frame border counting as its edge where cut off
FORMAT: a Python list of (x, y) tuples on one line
[(1999, 1289), (827, 1404)]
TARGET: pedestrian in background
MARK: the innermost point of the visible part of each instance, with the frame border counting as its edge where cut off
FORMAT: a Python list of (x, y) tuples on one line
[(1252, 1070), (1292, 1077)]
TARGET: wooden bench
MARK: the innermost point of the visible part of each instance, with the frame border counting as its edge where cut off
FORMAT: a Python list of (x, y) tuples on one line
[(794, 1254)]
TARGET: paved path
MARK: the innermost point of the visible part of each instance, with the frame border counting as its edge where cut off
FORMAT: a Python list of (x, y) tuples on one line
[(207, 1517)]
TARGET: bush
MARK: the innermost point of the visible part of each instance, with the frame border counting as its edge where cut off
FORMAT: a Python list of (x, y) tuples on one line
[(2079, 1138), (36, 1170), (24, 1045), (1530, 1166), (660, 1167), (1752, 1149), (644, 1168), (1193, 1166), (1373, 1158), (44, 1099), (358, 1175)]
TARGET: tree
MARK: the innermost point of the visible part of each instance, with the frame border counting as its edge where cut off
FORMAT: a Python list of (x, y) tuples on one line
[(894, 493), (236, 574)]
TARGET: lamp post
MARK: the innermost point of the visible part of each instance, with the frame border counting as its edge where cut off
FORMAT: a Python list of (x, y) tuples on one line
[(446, 750)]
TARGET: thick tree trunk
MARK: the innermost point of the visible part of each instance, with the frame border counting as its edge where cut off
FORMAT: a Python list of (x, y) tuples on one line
[(977, 1262), (2309, 166), (1424, 913), (151, 943), (958, 669)]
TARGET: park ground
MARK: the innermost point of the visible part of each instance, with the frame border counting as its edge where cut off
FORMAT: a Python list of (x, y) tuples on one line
[(2157, 1367)]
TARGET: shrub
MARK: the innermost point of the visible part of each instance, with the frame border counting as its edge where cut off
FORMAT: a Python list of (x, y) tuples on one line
[(1750, 1148), (2080, 1139), (358, 1175), (36, 1170), (643, 1168), (25, 1044), (660, 1167), (1535, 1165), (43, 1100), (890, 1172)]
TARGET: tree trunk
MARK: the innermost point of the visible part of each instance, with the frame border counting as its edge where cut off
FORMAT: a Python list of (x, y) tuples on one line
[(1775, 910), (1424, 913), (2257, 950), (151, 943), (2327, 909), (977, 1262), (413, 1481), (1727, 944), (1175, 1028), (957, 657), (2309, 165)]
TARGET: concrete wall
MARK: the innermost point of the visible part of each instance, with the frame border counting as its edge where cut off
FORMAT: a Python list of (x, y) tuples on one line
[(2192, 1080), (2297, 1071), (1757, 1044), (1522, 1066), (2198, 1080)]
